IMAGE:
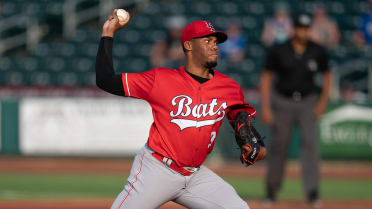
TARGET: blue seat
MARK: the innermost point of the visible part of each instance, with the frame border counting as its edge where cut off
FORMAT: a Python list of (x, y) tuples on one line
[(87, 79), (83, 64), (141, 22), (14, 78), (67, 79), (41, 78), (28, 64), (87, 49), (6, 63), (201, 8), (9, 8), (42, 50), (152, 8), (254, 8), (54, 64)]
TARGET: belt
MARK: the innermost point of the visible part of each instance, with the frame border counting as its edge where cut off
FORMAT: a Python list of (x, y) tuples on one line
[(296, 95), (186, 171)]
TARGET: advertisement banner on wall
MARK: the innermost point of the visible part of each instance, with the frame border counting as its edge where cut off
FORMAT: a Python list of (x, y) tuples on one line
[(346, 132), (83, 126)]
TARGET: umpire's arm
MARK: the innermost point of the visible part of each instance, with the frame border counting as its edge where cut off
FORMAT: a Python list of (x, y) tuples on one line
[(265, 92), (321, 106)]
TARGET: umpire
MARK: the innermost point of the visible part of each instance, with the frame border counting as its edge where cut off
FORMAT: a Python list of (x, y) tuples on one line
[(294, 100)]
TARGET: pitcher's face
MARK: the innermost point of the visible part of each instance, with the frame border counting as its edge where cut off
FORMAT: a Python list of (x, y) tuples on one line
[(205, 49)]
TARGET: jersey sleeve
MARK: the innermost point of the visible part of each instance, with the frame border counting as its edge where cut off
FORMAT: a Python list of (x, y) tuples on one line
[(138, 85)]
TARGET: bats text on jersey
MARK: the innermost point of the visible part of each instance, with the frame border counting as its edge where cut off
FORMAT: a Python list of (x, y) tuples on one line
[(184, 107)]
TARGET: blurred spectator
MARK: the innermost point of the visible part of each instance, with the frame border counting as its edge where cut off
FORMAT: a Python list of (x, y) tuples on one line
[(350, 95), (169, 52), (347, 92), (233, 48), (324, 31), (277, 29), (294, 101), (363, 36)]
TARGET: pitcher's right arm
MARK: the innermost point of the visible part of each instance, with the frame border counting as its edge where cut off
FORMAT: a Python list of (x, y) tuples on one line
[(106, 79)]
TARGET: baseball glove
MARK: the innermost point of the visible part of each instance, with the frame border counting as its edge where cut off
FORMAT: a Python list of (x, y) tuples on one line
[(249, 140)]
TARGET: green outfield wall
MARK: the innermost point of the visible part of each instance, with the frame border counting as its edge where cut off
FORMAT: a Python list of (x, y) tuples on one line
[(72, 127), (344, 132)]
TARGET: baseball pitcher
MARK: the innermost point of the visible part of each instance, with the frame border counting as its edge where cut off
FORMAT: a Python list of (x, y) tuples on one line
[(188, 106)]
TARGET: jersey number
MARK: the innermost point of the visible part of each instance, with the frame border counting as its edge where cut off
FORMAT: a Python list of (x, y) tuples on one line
[(213, 137)]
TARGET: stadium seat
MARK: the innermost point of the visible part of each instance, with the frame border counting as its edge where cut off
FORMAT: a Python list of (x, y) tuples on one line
[(87, 79), (83, 5), (248, 65), (41, 78), (227, 8), (32, 9), (121, 50), (87, 49), (152, 8), (9, 8), (54, 64), (256, 50), (249, 23), (84, 64), (201, 8), (254, 8), (67, 79), (5, 63), (28, 63), (14, 78), (141, 22), (67, 50), (138, 64), (42, 49)]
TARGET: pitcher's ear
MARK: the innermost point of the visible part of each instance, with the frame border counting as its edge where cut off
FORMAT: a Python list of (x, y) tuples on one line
[(187, 46)]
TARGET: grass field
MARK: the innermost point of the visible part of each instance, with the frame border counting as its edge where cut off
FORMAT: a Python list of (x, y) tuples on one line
[(42, 186)]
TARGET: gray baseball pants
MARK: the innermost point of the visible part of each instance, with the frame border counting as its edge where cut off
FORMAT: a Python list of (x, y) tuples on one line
[(151, 184), (287, 114)]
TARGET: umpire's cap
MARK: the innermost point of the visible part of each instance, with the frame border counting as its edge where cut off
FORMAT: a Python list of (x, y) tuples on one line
[(200, 29)]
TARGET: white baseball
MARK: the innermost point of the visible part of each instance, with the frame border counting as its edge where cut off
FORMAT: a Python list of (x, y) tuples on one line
[(122, 15)]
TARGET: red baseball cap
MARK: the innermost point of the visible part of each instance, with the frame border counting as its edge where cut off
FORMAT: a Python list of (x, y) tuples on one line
[(200, 29)]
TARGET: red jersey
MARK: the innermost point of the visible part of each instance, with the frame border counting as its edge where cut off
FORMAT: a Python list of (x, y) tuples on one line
[(187, 114)]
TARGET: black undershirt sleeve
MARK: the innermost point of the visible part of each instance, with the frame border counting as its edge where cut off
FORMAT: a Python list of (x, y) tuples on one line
[(106, 79)]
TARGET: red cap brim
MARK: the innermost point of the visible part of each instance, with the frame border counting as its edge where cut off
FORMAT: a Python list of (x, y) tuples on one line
[(221, 36)]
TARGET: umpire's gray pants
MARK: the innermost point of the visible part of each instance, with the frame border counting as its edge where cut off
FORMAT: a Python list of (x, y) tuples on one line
[(288, 113)]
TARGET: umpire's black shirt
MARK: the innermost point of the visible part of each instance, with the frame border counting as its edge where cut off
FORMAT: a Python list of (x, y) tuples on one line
[(295, 72)]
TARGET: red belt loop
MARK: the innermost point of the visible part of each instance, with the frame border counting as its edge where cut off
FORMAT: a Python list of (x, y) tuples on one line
[(168, 162)]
